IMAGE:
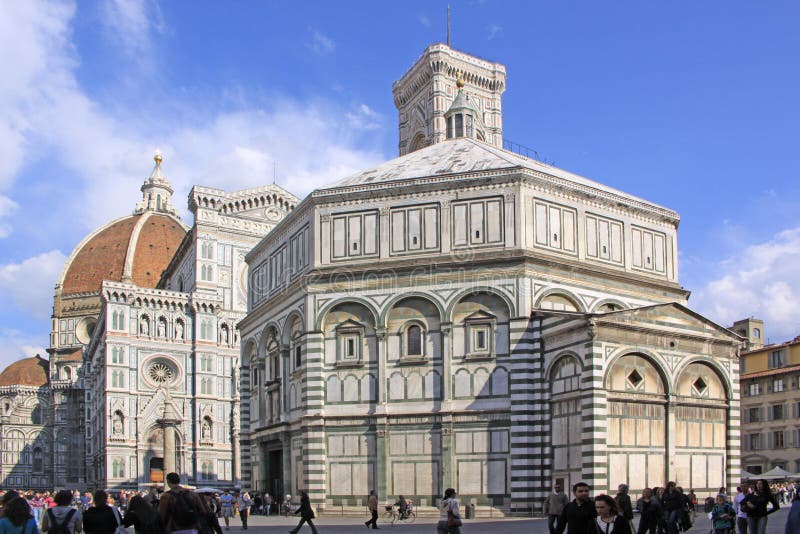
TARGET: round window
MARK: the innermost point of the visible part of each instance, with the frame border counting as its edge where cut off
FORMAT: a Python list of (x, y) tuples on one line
[(161, 372)]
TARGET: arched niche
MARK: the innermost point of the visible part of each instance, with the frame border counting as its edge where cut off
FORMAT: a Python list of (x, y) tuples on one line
[(559, 301), (481, 325), (634, 373), (565, 375), (349, 329), (701, 381), (413, 325)]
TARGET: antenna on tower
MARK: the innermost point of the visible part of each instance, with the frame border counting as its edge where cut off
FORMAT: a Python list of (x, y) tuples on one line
[(274, 172), (448, 24)]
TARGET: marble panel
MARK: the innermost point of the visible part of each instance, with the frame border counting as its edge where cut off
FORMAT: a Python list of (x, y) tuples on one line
[(397, 387), (351, 389), (699, 471), (470, 474), (414, 386), (496, 477), (333, 389), (463, 385)]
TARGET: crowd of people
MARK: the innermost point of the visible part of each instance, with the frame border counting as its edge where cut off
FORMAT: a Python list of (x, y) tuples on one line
[(180, 510), (669, 510), (176, 511)]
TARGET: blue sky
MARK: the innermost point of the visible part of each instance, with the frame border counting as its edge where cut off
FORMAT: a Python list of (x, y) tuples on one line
[(688, 104)]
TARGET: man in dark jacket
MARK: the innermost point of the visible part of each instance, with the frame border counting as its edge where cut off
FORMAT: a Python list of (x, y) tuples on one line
[(578, 516), (181, 509), (624, 502), (100, 518), (672, 503)]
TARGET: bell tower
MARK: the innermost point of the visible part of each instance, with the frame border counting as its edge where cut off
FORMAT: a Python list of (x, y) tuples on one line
[(426, 92)]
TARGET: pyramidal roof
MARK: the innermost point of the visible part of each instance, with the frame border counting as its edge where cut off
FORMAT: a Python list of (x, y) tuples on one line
[(461, 156)]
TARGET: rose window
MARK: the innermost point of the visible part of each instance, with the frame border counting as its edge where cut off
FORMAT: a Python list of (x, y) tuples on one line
[(160, 373)]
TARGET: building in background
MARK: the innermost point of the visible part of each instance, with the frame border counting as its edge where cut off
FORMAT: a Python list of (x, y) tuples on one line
[(26, 414), (770, 386), (752, 330), (143, 373), (465, 317)]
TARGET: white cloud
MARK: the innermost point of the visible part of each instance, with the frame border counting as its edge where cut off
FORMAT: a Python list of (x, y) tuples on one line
[(364, 118), (15, 345), (320, 43), (108, 148), (103, 152), (424, 20), (30, 282), (762, 281), (7, 208), (493, 31), (131, 24)]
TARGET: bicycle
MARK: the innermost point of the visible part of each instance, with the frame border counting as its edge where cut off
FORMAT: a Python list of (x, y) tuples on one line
[(392, 515)]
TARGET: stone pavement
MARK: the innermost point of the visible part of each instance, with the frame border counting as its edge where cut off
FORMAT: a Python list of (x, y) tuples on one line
[(341, 525)]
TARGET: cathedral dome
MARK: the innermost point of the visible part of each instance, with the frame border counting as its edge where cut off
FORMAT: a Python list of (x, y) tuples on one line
[(33, 372), (136, 249)]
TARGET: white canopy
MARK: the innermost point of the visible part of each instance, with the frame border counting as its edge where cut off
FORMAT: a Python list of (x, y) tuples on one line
[(776, 473)]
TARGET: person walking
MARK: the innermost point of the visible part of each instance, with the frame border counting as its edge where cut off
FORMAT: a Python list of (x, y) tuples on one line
[(212, 520), (722, 515), (181, 511), (100, 517), (449, 515), (306, 514), (372, 505), (755, 504), (793, 519), (243, 504), (672, 504), (578, 516), (226, 504), (741, 515), (553, 506), (649, 512), (63, 515), (38, 505), (608, 520), (142, 517), (267, 503), (624, 505)]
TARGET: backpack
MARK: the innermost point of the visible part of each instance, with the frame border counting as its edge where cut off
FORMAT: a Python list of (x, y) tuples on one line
[(59, 528), (184, 513)]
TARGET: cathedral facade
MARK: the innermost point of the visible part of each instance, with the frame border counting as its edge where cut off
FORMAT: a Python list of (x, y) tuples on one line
[(466, 317), (143, 372)]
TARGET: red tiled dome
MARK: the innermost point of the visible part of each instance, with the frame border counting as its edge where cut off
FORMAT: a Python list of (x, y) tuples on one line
[(151, 238), (34, 372)]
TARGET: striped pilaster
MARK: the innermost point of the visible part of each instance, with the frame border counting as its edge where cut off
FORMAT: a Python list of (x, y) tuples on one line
[(245, 443), (313, 431), (734, 431), (594, 413), (529, 431), (315, 462)]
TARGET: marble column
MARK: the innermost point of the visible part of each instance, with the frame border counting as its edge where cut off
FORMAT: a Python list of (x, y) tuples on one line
[(169, 448)]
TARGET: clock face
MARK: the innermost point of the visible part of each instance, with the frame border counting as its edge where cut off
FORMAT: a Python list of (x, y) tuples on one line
[(272, 213)]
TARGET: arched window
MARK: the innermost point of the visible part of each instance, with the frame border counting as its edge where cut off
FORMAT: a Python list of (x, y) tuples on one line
[(118, 468), (67, 373), (36, 415), (414, 340), (38, 462)]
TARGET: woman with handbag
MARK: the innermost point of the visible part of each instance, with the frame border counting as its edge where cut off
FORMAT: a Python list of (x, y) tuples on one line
[(449, 516)]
